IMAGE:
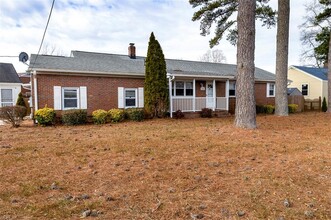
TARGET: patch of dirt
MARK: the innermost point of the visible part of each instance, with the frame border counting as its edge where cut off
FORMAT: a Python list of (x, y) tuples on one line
[(169, 169)]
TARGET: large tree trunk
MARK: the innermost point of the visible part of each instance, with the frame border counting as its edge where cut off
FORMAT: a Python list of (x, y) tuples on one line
[(281, 101), (329, 77), (245, 102)]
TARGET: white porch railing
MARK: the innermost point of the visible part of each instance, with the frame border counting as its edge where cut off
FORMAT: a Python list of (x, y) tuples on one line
[(190, 104)]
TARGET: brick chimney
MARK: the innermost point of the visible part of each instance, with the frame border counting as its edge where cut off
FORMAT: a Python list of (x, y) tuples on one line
[(132, 51)]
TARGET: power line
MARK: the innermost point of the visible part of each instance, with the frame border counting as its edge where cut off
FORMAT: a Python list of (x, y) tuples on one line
[(42, 40)]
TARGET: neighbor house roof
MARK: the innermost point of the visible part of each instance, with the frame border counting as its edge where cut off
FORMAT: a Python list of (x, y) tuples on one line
[(89, 62), (8, 73), (321, 73), (293, 91)]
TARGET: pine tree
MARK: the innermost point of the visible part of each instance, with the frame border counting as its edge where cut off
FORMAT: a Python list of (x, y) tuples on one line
[(20, 100), (324, 105), (156, 95)]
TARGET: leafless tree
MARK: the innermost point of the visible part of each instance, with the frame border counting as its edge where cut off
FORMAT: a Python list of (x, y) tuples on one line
[(51, 49), (213, 56)]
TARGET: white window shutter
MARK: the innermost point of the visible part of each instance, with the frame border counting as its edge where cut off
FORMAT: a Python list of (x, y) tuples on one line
[(57, 98), (83, 97), (140, 97), (120, 97)]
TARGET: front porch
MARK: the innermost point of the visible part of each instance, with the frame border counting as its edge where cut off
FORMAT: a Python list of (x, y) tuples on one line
[(196, 94)]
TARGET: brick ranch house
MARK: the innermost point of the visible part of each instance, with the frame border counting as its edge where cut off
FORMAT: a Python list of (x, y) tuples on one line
[(91, 81)]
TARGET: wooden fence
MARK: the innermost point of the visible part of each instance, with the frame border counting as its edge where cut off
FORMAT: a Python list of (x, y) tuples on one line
[(313, 104), (298, 100)]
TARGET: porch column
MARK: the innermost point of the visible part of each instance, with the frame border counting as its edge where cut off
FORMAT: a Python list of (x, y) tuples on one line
[(194, 95), (170, 95), (227, 85), (214, 94)]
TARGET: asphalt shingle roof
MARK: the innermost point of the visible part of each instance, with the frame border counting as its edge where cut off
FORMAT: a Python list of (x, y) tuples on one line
[(8, 73), (321, 73), (122, 64)]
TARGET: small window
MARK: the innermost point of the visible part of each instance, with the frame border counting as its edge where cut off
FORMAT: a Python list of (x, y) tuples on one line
[(179, 88), (304, 89), (70, 98), (232, 89), (189, 89), (130, 98), (7, 97), (271, 90)]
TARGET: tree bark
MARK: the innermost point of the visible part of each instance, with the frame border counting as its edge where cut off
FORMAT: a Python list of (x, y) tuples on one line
[(245, 98), (281, 101), (329, 77)]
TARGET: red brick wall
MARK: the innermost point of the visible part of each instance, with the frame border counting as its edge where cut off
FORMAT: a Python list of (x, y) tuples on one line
[(261, 94), (101, 91)]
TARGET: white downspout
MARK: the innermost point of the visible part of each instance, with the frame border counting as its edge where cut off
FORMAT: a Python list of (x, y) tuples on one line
[(35, 91)]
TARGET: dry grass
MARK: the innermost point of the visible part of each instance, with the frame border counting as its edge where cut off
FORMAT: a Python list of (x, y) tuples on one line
[(169, 169)]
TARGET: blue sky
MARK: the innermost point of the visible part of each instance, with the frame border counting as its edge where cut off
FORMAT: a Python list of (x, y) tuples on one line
[(110, 25)]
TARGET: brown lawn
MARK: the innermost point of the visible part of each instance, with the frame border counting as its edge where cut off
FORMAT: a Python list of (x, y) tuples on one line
[(169, 169)]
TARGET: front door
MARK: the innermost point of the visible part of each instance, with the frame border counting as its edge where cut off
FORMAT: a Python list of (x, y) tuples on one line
[(209, 95)]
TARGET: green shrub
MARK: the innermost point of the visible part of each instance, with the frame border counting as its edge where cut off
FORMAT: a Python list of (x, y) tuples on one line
[(13, 114), (260, 109), (292, 108), (99, 116), (74, 117), (45, 116), (135, 114), (269, 109), (178, 114), (116, 115), (20, 102), (324, 105), (206, 113)]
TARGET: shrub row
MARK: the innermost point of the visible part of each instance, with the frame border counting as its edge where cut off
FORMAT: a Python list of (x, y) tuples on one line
[(270, 109), (117, 115)]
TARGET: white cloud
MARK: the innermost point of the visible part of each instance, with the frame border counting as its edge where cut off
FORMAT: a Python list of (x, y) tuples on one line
[(110, 25)]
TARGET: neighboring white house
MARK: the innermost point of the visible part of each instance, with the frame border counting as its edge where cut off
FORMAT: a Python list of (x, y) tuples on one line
[(311, 81), (10, 85)]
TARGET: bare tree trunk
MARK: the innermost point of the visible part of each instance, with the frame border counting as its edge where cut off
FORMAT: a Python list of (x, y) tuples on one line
[(245, 97), (329, 77), (281, 101)]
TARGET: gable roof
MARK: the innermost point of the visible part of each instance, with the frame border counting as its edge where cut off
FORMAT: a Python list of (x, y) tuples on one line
[(321, 73), (293, 91), (89, 62), (8, 73)]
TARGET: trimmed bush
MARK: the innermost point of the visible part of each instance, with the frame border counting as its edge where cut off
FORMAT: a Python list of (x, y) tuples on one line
[(74, 117), (13, 114), (292, 108), (178, 114), (116, 115), (269, 109), (324, 105), (206, 113), (135, 114), (99, 116), (45, 116)]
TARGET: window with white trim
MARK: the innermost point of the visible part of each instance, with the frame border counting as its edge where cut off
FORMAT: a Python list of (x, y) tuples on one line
[(70, 98), (130, 98), (232, 89), (304, 89), (182, 88), (7, 97), (270, 89)]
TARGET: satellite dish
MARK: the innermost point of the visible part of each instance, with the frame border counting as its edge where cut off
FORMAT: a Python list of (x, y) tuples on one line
[(23, 57)]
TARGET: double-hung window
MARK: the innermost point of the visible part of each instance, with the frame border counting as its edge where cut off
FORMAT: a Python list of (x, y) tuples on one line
[(232, 89), (304, 89), (271, 90), (130, 98), (182, 88), (70, 98), (7, 97)]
